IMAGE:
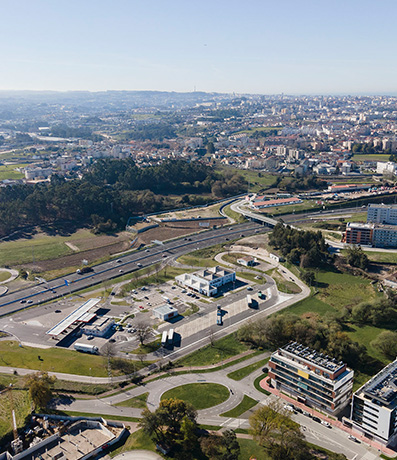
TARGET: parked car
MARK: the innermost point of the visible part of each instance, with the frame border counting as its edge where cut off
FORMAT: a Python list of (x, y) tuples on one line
[(316, 419), (325, 423)]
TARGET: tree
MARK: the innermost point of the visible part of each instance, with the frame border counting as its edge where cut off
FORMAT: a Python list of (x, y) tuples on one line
[(225, 447), (386, 343), (173, 422), (278, 434), (143, 331), (40, 388), (308, 277), (356, 257)]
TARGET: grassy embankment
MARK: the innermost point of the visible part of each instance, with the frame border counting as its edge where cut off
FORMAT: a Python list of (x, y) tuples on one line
[(9, 171), (335, 292), (60, 360), (22, 407)]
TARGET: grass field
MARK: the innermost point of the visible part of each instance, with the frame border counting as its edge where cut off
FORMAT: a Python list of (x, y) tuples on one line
[(283, 285), (246, 404), (22, 409), (138, 402), (4, 276), (137, 440), (200, 395), (257, 180), (306, 205), (243, 372), (372, 157), (222, 349), (54, 360), (380, 257), (236, 216), (9, 172)]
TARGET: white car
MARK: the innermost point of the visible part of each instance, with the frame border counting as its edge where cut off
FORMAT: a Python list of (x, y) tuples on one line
[(325, 423)]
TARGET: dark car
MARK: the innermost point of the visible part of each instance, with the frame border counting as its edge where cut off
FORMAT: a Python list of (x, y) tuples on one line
[(316, 419), (58, 311)]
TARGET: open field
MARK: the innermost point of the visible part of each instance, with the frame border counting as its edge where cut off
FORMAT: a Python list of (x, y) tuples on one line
[(307, 205), (54, 360), (246, 404), (4, 276), (22, 409), (46, 252), (243, 372), (222, 349), (9, 171), (200, 395), (371, 157), (380, 257)]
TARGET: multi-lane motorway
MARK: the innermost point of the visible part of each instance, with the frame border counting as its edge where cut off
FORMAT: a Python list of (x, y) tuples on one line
[(158, 253)]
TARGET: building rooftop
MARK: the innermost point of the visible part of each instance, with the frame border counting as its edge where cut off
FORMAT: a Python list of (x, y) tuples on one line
[(312, 356), (360, 225), (386, 206), (382, 388), (164, 309)]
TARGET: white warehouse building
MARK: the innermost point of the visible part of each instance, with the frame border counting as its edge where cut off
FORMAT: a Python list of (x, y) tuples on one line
[(206, 281)]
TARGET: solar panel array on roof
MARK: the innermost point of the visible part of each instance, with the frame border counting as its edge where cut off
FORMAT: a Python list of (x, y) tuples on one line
[(319, 359)]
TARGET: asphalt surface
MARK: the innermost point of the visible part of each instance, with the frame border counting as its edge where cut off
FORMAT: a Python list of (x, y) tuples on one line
[(73, 282)]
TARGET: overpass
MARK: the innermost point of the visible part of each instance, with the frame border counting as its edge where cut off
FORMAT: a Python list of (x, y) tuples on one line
[(259, 218)]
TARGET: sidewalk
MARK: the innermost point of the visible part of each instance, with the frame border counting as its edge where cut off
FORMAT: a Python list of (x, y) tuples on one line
[(380, 447)]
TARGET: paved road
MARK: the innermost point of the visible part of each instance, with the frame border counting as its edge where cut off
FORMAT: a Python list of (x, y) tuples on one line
[(44, 292), (138, 455)]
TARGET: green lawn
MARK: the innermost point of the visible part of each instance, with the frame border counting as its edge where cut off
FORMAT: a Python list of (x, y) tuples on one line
[(239, 374), (4, 276), (310, 304), (223, 349), (239, 218), (258, 387), (249, 449), (380, 257), (9, 172), (138, 402), (189, 259), (200, 395), (22, 409), (136, 440), (365, 335), (371, 157), (246, 404), (55, 360)]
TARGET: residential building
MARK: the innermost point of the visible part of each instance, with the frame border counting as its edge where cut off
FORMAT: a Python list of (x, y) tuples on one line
[(315, 379), (386, 168), (374, 406), (382, 213), (384, 236), (206, 281), (359, 233)]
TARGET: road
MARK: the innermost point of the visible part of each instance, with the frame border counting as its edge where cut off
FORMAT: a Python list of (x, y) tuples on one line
[(333, 439), (73, 282)]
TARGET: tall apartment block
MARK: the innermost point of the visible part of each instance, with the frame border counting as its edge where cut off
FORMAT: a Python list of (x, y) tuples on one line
[(374, 406), (382, 214), (314, 378)]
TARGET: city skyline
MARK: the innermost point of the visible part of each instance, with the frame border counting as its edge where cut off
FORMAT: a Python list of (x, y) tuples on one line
[(261, 48)]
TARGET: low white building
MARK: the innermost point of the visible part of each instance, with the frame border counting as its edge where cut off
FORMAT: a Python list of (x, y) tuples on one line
[(206, 281), (165, 312)]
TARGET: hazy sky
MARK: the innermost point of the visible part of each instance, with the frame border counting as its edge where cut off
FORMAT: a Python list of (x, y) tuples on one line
[(251, 46)]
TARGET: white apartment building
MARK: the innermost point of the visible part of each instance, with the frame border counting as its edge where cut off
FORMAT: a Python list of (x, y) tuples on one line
[(374, 406), (386, 168), (382, 214)]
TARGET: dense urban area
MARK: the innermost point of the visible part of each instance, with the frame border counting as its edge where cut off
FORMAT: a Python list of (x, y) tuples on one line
[(198, 275)]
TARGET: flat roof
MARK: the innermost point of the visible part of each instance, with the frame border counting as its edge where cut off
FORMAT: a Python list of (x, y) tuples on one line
[(76, 315), (313, 356), (164, 309), (383, 386)]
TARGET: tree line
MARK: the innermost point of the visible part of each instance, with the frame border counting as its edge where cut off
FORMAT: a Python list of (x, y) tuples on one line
[(111, 192)]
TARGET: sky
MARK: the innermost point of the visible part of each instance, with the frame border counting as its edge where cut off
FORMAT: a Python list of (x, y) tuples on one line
[(251, 46)]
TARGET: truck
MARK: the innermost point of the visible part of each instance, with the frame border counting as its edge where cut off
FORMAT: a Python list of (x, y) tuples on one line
[(166, 299), (171, 336), (164, 338), (85, 348), (81, 271), (249, 301)]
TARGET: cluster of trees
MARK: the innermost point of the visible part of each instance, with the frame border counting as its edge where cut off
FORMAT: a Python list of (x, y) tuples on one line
[(82, 132), (379, 313), (366, 148), (109, 194), (282, 438), (299, 183), (324, 334), (150, 132), (174, 427), (356, 257), (305, 248)]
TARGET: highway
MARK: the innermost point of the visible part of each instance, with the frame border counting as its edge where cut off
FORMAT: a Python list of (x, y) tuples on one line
[(73, 282)]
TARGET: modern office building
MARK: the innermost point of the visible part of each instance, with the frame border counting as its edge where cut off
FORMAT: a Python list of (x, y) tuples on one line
[(206, 281), (374, 406), (382, 214), (315, 379)]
